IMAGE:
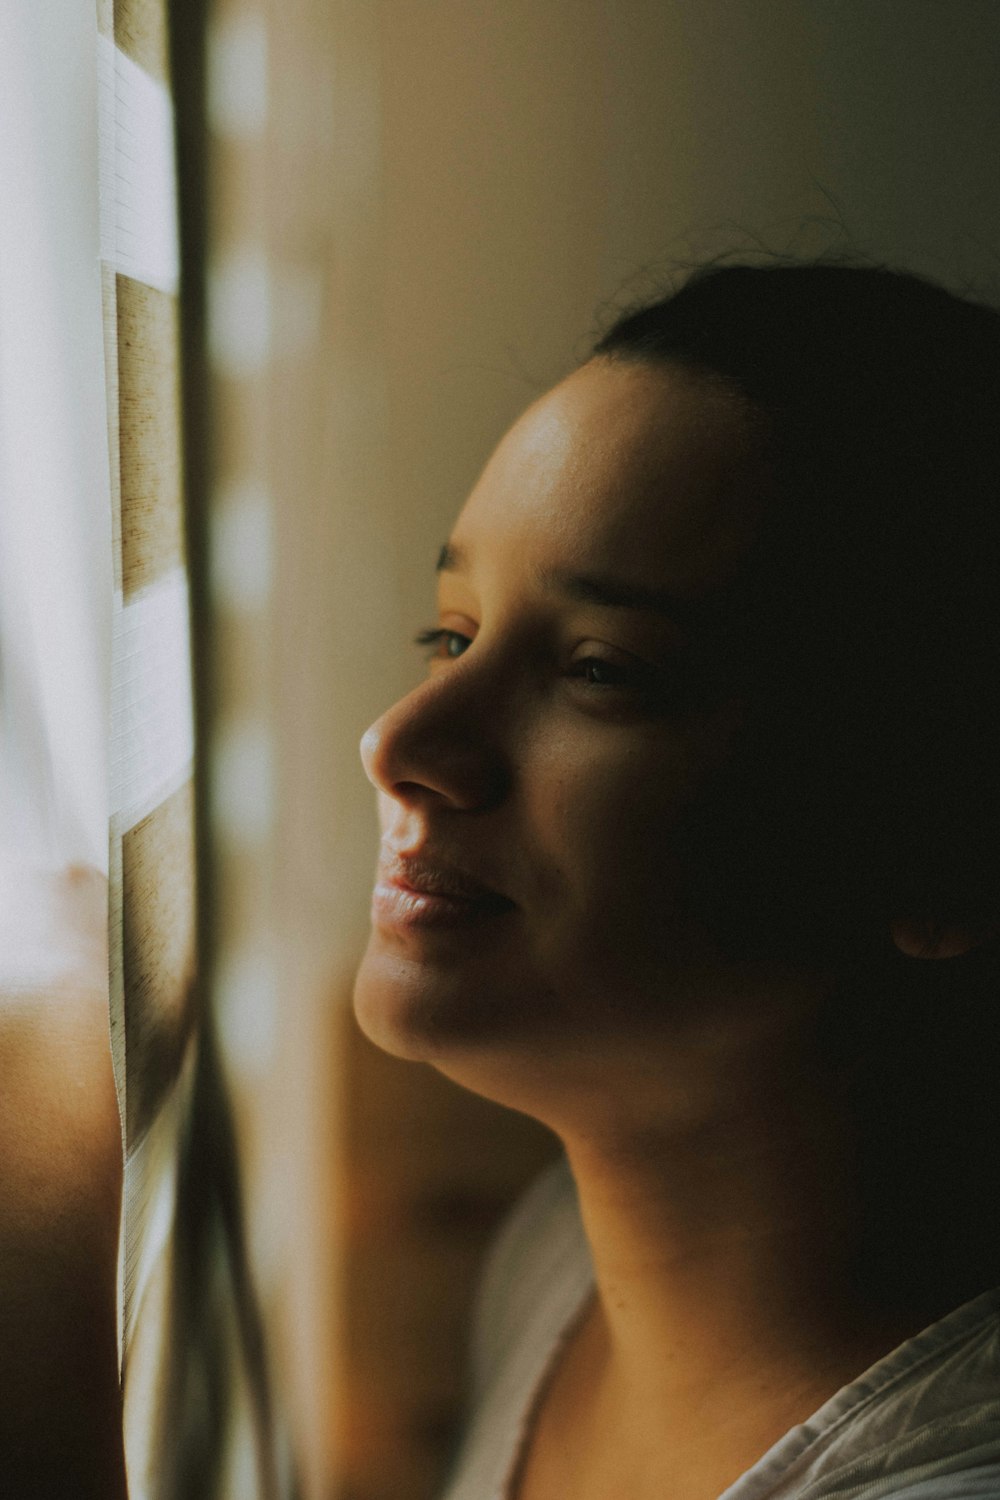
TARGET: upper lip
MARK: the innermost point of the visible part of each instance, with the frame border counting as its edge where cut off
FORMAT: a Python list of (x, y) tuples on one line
[(429, 876)]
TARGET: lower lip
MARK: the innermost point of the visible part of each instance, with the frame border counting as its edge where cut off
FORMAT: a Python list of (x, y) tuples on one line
[(399, 907)]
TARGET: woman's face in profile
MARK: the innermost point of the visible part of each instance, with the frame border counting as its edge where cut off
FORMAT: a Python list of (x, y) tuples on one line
[(528, 891)]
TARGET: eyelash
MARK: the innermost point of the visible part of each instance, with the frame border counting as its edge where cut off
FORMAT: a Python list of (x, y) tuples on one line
[(580, 669), (437, 638)]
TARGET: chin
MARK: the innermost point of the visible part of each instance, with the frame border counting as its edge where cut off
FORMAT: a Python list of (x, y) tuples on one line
[(412, 1010), (485, 1038), (387, 1014), (440, 1012)]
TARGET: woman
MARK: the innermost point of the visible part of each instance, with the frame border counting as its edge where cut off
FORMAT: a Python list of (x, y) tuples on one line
[(690, 850)]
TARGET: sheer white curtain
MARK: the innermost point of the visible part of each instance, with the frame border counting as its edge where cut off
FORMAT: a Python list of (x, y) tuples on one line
[(55, 542), (60, 1131)]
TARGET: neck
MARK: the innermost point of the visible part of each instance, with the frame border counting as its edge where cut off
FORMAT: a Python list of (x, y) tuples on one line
[(730, 1255), (718, 1237), (761, 1190)]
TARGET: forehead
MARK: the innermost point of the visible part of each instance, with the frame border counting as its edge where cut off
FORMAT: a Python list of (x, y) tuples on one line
[(648, 471)]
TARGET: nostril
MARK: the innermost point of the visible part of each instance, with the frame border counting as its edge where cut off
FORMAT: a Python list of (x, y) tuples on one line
[(408, 791)]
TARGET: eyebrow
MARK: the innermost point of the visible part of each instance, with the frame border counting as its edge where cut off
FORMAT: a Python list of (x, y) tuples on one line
[(590, 588), (617, 593)]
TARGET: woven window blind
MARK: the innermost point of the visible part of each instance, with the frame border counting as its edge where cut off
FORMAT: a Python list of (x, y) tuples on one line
[(151, 833), (195, 1400)]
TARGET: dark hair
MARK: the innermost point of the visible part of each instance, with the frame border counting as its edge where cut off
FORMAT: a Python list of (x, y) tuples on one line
[(870, 616), (864, 785)]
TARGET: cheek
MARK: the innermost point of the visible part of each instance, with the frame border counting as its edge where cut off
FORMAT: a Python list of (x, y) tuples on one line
[(617, 913), (609, 935), (607, 826)]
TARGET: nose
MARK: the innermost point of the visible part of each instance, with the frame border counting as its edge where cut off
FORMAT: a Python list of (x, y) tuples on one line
[(439, 746)]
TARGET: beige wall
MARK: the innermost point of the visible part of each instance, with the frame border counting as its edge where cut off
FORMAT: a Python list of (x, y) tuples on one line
[(454, 188)]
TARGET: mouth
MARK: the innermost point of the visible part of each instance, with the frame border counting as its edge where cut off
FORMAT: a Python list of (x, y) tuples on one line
[(415, 891)]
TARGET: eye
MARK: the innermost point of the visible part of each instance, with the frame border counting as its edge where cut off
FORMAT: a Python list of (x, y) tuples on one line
[(443, 644), (606, 671), (597, 671), (616, 680)]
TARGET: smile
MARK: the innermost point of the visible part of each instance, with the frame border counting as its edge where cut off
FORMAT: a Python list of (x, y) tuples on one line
[(416, 892), (396, 906)]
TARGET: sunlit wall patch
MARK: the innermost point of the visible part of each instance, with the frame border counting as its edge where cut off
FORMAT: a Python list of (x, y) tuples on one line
[(238, 76), (241, 546), (239, 312)]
